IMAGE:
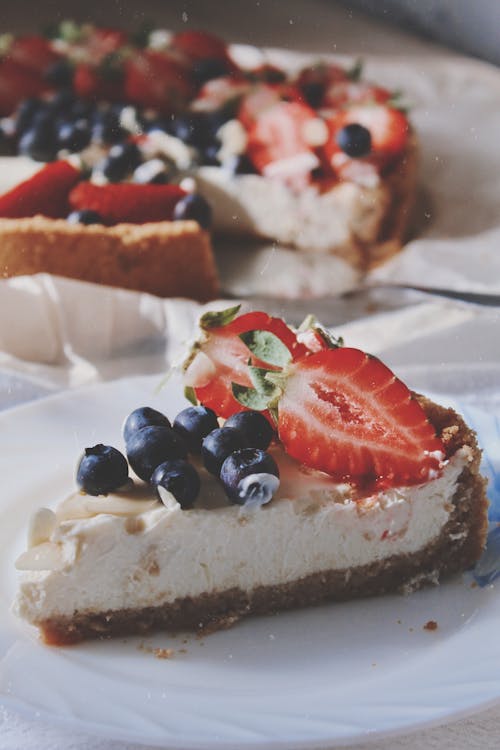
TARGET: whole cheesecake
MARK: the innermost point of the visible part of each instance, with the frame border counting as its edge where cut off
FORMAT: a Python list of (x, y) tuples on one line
[(317, 160), (146, 556)]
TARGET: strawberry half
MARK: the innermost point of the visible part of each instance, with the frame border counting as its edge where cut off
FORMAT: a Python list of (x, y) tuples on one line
[(45, 193), (346, 93), (99, 82), (127, 202), (343, 412), (157, 80), (18, 82), (33, 52), (199, 45), (221, 358), (277, 142)]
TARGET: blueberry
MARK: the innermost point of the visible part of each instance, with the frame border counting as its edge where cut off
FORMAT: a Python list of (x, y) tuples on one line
[(205, 70), (145, 416), (209, 155), (152, 172), (194, 424), (240, 164), (107, 128), (25, 114), (313, 92), (82, 109), (102, 469), (59, 74), (63, 101), (74, 136), (193, 206), (151, 446), (122, 159), (218, 445), (178, 477), (254, 426), (7, 143), (199, 129), (250, 475), (354, 140), (39, 143), (85, 216)]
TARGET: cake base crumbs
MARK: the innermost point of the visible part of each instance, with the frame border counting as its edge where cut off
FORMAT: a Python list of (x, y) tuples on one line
[(160, 653), (431, 625), (163, 653)]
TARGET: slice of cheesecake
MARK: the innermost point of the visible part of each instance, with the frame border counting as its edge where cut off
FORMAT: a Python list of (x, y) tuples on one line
[(125, 563), (137, 559)]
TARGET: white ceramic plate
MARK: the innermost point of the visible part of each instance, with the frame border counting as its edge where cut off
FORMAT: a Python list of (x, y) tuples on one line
[(314, 678)]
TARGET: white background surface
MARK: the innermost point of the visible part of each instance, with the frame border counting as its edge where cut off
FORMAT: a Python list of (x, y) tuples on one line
[(310, 26)]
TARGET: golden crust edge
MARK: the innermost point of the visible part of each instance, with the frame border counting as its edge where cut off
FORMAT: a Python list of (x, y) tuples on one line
[(162, 258)]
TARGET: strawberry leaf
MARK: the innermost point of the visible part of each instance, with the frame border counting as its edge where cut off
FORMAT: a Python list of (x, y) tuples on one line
[(311, 323), (355, 71), (397, 101), (218, 318), (190, 394), (258, 376), (250, 397), (262, 395), (267, 347)]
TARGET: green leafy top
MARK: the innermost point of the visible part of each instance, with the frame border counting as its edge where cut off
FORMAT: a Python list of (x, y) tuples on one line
[(218, 318), (311, 323), (267, 347), (265, 393), (398, 101), (356, 70)]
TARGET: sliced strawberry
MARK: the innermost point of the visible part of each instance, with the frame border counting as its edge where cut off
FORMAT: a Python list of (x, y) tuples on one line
[(17, 83), (345, 413), (127, 202), (344, 93), (258, 99), (389, 130), (33, 52), (199, 45), (224, 359), (278, 144), (99, 82), (157, 80), (45, 193)]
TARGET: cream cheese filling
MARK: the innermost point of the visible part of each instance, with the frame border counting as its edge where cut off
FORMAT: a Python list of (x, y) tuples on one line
[(307, 219), (147, 554)]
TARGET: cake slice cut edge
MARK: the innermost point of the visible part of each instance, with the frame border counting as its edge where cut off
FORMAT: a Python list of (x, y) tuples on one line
[(166, 259), (412, 536)]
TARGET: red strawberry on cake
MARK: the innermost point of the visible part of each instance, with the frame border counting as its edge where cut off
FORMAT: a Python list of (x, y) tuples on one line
[(356, 487)]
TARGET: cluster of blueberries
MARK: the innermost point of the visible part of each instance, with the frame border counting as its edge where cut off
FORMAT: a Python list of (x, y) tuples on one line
[(41, 128), (157, 452)]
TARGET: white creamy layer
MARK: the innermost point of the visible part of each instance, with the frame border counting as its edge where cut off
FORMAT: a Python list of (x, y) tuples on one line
[(15, 169), (143, 554), (309, 220)]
